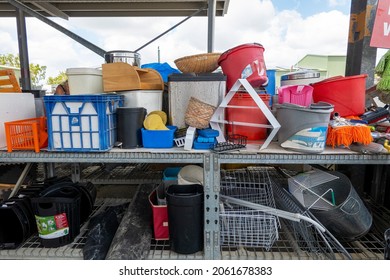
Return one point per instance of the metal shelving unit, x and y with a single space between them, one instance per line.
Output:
283 249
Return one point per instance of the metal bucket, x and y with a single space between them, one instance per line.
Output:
348 219
129 57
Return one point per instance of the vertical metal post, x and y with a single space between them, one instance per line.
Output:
361 58
23 52
212 6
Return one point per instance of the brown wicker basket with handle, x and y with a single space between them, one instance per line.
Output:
200 63
198 113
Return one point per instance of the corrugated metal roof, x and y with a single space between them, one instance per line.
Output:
114 8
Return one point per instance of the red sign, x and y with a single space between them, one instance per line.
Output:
380 37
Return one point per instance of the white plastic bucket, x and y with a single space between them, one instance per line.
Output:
84 80
151 100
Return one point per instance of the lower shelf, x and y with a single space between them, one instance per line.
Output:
32 248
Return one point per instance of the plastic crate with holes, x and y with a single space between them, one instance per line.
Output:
82 123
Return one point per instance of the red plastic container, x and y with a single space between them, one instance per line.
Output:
244 62
248 115
347 94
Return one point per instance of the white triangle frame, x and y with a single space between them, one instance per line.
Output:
218 117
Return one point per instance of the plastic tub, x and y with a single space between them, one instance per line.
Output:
347 94
252 114
158 138
244 62
303 129
151 100
84 80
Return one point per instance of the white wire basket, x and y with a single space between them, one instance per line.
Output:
313 189
243 226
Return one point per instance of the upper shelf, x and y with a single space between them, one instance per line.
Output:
251 154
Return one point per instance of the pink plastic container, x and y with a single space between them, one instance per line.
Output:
295 94
244 62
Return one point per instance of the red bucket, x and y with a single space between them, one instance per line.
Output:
253 114
347 94
244 62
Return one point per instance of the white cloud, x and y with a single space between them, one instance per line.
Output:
285 35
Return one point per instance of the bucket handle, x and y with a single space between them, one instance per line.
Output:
351 206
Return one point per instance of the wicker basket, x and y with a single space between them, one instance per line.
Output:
200 63
198 113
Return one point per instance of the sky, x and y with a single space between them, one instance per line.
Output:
287 29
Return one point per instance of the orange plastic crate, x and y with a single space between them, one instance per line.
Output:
27 134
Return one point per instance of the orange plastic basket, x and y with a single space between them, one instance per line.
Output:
27 134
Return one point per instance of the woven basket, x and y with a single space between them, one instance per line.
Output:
198 113
200 63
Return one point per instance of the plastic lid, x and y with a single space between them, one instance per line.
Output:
192 77
300 75
84 71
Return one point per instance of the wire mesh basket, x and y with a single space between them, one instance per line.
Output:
240 225
308 238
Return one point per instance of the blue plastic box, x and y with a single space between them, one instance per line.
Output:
158 138
82 123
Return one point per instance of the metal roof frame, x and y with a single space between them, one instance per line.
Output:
43 9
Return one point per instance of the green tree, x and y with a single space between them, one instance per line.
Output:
37 72
58 79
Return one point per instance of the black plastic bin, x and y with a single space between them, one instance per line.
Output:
58 216
185 218
129 124
16 222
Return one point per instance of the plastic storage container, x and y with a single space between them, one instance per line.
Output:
185 215
244 62
271 86
251 114
130 122
296 94
210 87
303 77
347 94
27 134
84 80
57 216
18 222
303 129
158 138
160 217
151 100
82 123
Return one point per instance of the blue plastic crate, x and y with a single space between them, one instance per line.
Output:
82 123
158 138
